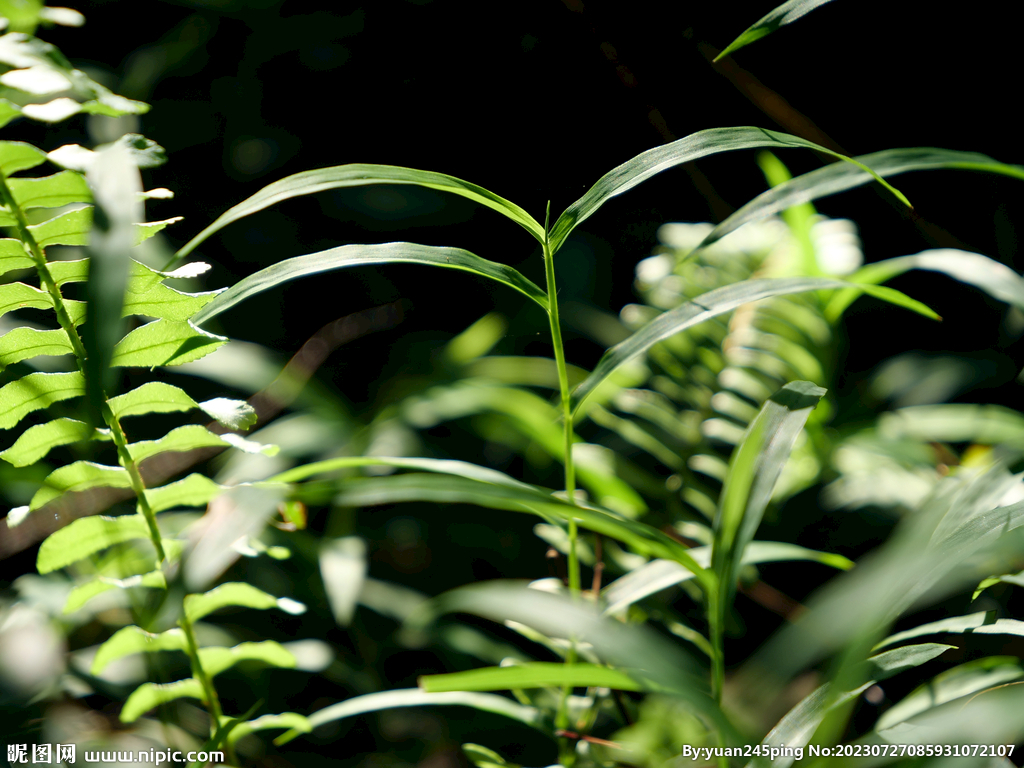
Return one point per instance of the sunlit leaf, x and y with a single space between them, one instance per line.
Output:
531 675
79 476
361 174
73 228
712 304
54 191
234 414
18 156
164 342
784 14
14 296
150 695
152 397
186 438
236 594
982 623
297 723
194 490
355 255
36 391
86 536
26 343
13 254
216 660
443 466
654 161
83 593
35 442
132 639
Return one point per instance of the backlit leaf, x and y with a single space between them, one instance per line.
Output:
234 414
13 255
86 536
79 476
193 491
152 397
531 675
18 156
786 13
83 593
164 342
15 296
150 695
132 639
36 391
982 623
35 442
184 438
54 191
216 660
236 594
25 343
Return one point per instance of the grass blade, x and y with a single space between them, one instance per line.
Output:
537 674
982 623
356 255
361 174
840 177
786 13
697 145
712 304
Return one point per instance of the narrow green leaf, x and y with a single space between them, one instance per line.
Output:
361 174
26 343
996 279
444 466
79 476
414 697
355 255
193 491
150 695
240 594
34 392
297 723
786 13
186 438
14 296
343 571
13 256
955 683
955 423
152 397
83 593
654 161
18 156
797 727
982 623
712 304
839 177
164 342
86 536
455 490
35 442
754 469
54 191
216 660
532 675
132 639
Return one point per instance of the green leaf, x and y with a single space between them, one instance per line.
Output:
73 228
83 593
54 191
982 623
34 392
240 594
8 112
186 438
343 571
297 723
754 469
955 423
15 296
654 161
972 677
86 536
79 476
361 174
786 13
18 156
233 414
443 466
797 727
167 303
26 343
454 490
839 177
150 695
996 279
35 442
356 255
531 675
216 660
712 304
164 342
13 256
152 397
132 639
193 491
414 697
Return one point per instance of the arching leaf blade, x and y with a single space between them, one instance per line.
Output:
35 442
216 660
86 536
152 397
784 14
15 296
79 476
701 144
186 438
132 639
712 304
530 675
981 623
150 695
236 594
443 466
355 255
35 392
25 343
54 191
839 177
83 593
164 342
362 174
195 490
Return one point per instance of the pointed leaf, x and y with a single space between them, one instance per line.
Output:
654 161
355 255
54 191
34 392
73 228
193 491
712 304
361 174
164 342
18 156
982 623
13 255
79 476
26 343
132 639
86 536
83 593
184 438
840 177
152 397
444 466
786 13
236 593
150 695
35 442
15 296
216 660
168 303
414 697
296 722
531 675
